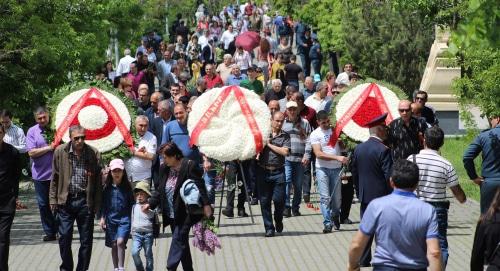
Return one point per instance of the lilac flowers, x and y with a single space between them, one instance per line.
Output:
205 237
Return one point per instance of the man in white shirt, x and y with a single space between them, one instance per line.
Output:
328 165
139 165
319 100
228 36
124 63
343 77
13 134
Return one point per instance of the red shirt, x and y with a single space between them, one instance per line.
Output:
310 115
216 81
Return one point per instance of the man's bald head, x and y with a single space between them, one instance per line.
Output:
274 106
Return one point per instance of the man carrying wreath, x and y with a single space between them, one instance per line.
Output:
271 175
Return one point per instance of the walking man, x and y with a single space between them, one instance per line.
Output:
75 192
435 174
371 169
488 143
299 130
41 153
271 172
328 165
416 246
10 172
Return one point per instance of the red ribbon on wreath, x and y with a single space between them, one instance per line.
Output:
108 107
214 109
351 111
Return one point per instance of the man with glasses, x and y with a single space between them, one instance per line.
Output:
405 133
75 192
329 161
427 112
371 168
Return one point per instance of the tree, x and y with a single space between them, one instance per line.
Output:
387 43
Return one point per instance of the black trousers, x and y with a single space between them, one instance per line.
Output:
179 248
235 183
75 209
366 257
347 196
7 212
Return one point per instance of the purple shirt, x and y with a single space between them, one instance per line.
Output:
41 168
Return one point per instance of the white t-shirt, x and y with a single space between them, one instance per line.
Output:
124 65
321 137
316 104
227 37
137 168
343 78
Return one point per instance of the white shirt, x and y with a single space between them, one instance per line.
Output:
15 137
139 169
321 137
141 222
124 65
343 78
317 104
243 60
227 37
203 41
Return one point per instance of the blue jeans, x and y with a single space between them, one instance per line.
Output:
42 197
442 220
271 188
488 190
328 184
75 209
143 240
306 63
294 175
209 178
316 65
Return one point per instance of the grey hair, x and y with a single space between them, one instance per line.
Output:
276 81
40 110
200 81
164 104
74 128
159 94
126 51
141 117
228 56
321 85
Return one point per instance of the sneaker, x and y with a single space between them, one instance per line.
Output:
296 213
269 233
287 212
227 213
48 238
307 198
242 213
336 222
346 221
279 227
327 229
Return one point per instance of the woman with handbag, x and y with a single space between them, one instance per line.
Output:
173 173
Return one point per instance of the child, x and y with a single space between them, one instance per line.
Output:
116 207
142 227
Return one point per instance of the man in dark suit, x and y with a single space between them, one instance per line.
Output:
207 55
371 169
157 125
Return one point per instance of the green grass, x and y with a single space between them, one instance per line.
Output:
453 150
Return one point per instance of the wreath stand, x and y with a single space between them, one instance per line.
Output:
246 192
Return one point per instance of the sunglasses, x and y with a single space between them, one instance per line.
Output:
77 138
404 110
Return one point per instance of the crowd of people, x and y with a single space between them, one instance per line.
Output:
398 171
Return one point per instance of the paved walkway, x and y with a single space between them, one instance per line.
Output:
302 246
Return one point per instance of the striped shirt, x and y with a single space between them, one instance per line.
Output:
435 174
79 167
15 137
299 133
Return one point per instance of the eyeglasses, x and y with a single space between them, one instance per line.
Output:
78 138
404 110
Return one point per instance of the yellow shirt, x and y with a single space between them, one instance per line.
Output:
275 68
196 67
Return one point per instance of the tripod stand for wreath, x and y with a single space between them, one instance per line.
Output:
252 115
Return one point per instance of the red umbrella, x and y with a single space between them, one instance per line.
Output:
248 40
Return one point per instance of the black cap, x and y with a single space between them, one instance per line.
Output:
380 120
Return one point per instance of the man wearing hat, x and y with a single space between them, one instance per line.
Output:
371 168
299 130
251 82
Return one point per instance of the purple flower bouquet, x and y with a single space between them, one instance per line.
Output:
205 237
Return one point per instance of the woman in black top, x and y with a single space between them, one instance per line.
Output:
486 248
173 173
